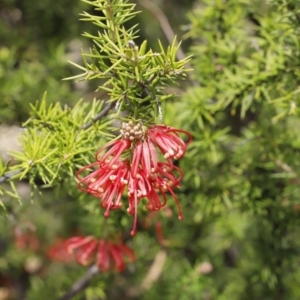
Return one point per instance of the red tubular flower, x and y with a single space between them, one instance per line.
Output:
164 181
106 184
139 170
168 141
138 188
83 248
111 256
107 255
153 189
58 252
109 185
144 155
113 154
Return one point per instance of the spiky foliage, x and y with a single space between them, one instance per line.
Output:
59 139
240 195
244 167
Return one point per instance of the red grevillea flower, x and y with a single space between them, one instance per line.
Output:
26 240
144 156
118 147
130 133
105 183
58 252
131 164
167 139
105 254
110 184
153 189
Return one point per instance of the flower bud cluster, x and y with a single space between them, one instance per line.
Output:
131 131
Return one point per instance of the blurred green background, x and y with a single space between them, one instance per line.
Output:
240 238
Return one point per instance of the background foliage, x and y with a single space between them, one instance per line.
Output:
240 196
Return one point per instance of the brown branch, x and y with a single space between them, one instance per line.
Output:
151 277
285 167
81 283
8 176
97 117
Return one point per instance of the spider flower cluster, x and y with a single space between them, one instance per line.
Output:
104 253
139 165
107 255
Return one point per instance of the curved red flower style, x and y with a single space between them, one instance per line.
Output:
105 254
106 184
168 140
113 154
144 156
153 189
109 186
164 180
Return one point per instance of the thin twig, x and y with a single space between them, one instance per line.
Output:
164 23
97 117
166 28
81 284
285 167
8 176
151 277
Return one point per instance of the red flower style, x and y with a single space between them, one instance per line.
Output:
114 153
164 180
105 254
153 188
167 139
144 156
106 184
109 185
138 188
151 218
